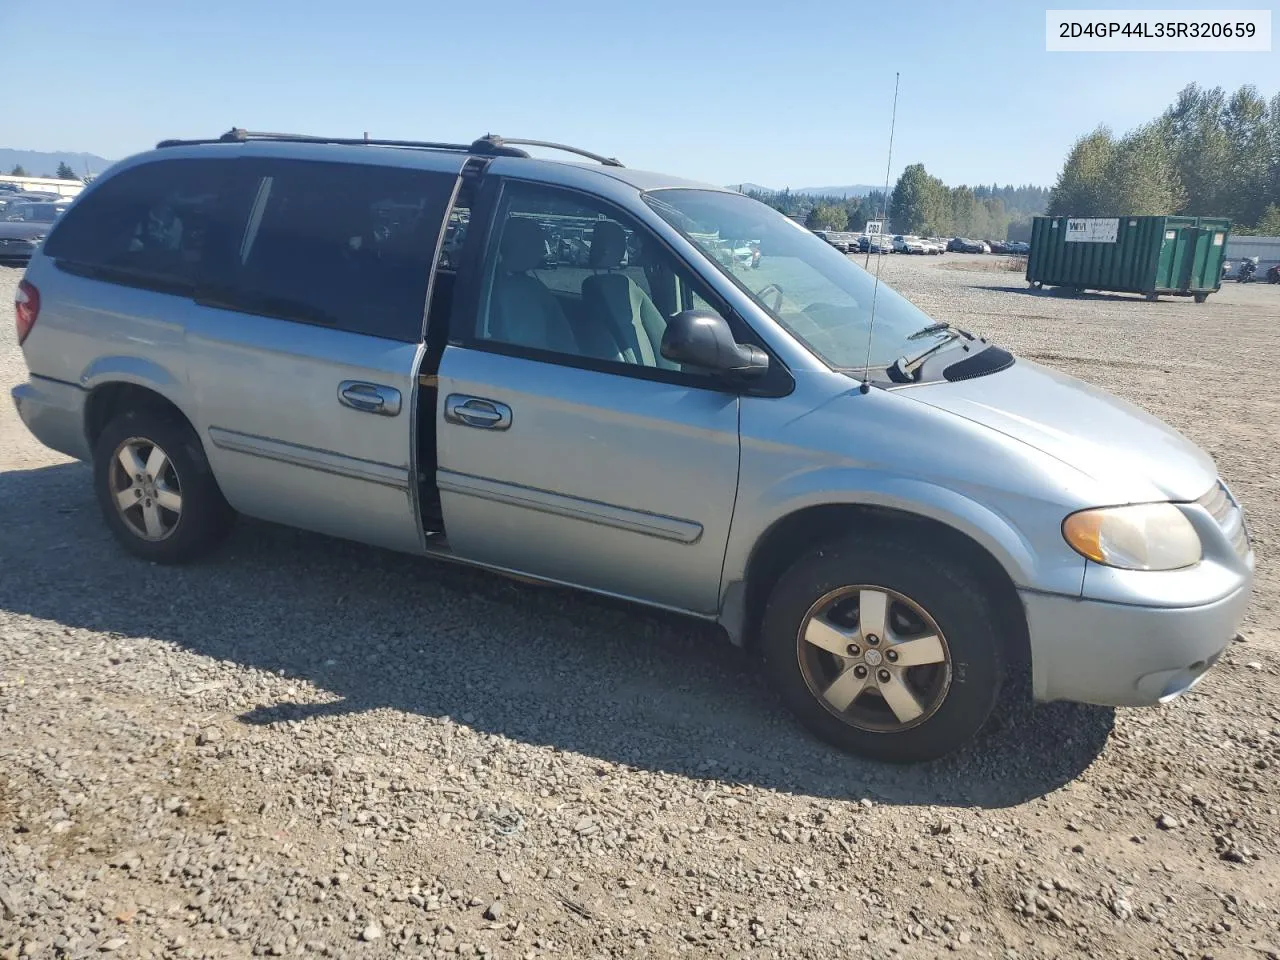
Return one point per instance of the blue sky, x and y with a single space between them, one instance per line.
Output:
794 93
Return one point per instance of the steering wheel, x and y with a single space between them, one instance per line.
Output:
777 292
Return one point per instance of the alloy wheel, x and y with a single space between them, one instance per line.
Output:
145 489
874 658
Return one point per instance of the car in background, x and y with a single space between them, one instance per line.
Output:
998 246
35 211
833 237
903 243
19 239
1019 247
880 243
964 245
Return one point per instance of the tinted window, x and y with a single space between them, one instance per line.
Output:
342 245
158 224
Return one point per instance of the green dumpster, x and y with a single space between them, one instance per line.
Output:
1181 256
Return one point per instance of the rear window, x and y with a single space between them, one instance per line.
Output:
160 225
342 245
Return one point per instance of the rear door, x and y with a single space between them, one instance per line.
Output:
303 350
568 448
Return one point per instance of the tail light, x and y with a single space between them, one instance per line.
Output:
26 307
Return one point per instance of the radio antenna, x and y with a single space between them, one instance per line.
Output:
884 205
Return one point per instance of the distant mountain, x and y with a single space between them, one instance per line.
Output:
848 190
38 163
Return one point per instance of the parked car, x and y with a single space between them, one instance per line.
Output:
880 243
1019 247
997 246
19 240
965 245
893 525
833 238
41 212
908 244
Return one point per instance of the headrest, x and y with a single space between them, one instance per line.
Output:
608 245
524 245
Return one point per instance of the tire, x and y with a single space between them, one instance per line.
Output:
202 518
956 695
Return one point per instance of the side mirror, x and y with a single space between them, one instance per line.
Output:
701 338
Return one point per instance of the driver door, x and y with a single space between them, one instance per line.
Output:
568 449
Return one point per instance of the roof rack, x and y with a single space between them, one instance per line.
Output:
490 144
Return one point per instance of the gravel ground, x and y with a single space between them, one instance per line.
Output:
306 746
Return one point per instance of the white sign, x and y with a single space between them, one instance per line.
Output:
1092 229
875 227
1158 31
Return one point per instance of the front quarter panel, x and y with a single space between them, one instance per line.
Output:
828 443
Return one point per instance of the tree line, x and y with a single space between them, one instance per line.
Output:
64 172
921 204
1209 154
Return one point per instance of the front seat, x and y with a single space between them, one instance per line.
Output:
612 299
522 310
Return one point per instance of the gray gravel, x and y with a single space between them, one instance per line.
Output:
308 747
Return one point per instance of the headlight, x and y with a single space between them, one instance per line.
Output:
1146 536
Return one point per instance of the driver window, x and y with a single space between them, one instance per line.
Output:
575 277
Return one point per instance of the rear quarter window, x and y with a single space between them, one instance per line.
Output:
163 225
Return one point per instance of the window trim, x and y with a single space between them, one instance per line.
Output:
474 273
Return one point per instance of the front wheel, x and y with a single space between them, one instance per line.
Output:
883 650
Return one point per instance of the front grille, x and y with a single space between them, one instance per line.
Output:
1224 509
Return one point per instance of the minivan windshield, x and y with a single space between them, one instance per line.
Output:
820 296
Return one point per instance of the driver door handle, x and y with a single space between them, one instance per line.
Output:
469 411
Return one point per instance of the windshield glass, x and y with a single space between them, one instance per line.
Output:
816 293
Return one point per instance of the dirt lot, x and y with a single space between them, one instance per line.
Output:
307 746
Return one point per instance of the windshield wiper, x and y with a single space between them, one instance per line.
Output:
906 365
931 328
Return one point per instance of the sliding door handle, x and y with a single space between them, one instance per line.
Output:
369 397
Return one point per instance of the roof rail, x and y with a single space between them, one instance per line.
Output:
492 140
490 144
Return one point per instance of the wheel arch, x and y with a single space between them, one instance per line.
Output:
785 539
109 398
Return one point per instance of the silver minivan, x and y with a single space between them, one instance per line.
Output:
564 371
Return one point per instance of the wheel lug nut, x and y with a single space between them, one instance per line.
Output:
884 676
859 671
146 503
872 639
891 656
137 492
854 650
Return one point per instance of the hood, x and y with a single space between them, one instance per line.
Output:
23 229
1136 456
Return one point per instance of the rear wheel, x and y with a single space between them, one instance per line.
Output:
156 490
882 650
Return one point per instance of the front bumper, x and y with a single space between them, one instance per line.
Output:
1125 655
54 413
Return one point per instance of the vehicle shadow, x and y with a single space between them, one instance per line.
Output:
1068 293
539 665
